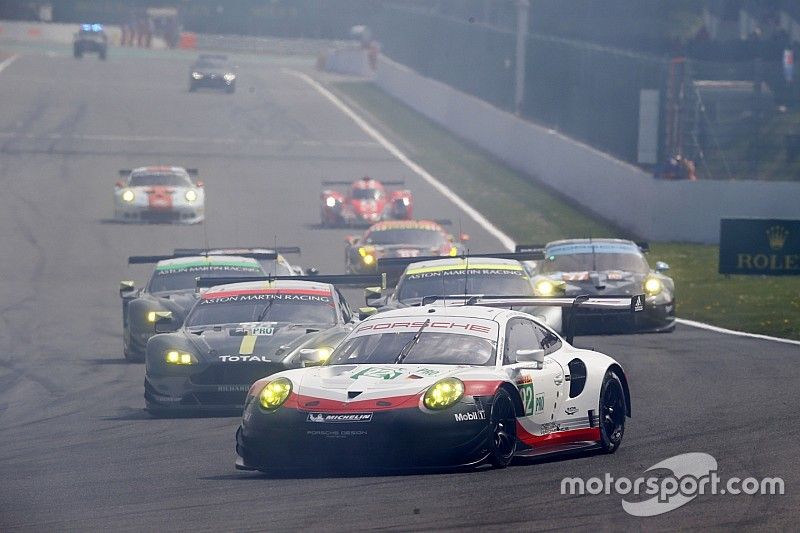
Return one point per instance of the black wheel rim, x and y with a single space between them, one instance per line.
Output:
613 411
504 428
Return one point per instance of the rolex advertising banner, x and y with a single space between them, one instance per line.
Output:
766 247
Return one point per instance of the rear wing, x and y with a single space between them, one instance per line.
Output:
239 250
625 304
149 259
345 280
405 261
522 248
388 183
125 172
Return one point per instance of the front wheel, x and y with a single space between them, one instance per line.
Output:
502 430
612 412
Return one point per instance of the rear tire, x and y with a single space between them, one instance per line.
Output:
502 430
612 411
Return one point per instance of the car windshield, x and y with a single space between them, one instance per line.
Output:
366 194
184 277
418 283
276 306
594 262
210 64
170 179
417 237
432 347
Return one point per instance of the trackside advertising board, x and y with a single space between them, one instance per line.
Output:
765 247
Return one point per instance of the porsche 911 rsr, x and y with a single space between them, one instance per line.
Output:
171 290
159 194
612 267
398 238
367 202
438 386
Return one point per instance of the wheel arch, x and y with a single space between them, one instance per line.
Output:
515 397
621 374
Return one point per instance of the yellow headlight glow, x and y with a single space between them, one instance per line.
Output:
369 259
275 393
128 195
443 394
191 195
174 357
324 353
453 251
652 286
151 316
545 287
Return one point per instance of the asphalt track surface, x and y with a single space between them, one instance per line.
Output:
77 452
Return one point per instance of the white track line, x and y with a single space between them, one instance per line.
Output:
7 62
504 239
716 329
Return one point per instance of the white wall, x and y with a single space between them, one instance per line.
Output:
617 191
56 33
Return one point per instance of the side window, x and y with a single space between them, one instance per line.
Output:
521 334
548 340
347 315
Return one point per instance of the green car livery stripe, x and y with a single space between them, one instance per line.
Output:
209 263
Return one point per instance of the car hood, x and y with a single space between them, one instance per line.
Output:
268 341
404 250
613 282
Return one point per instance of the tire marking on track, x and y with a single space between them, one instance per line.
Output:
8 62
717 329
490 228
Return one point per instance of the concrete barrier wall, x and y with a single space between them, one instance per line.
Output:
57 33
351 60
615 190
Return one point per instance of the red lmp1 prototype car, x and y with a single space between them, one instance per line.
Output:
367 202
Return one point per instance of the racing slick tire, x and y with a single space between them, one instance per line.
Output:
612 413
192 87
502 430
77 52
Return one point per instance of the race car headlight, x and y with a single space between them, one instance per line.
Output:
330 201
546 287
128 195
152 316
229 77
453 251
197 76
368 259
275 393
443 394
176 357
406 201
324 354
652 286
191 195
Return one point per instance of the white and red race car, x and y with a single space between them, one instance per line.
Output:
441 386
367 202
159 194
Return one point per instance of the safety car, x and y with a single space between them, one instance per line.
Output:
91 38
366 202
440 386
159 194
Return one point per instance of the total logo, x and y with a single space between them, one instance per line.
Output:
244 358
467 417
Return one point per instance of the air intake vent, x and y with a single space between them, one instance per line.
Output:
352 394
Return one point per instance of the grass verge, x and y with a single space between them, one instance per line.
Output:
530 212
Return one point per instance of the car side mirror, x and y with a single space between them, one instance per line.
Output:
364 312
535 355
661 266
126 287
312 271
163 323
314 356
464 237
372 296
351 239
